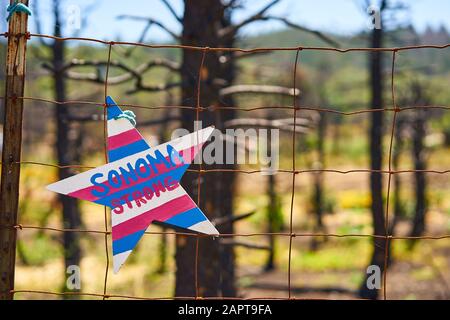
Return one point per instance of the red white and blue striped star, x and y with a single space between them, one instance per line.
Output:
140 184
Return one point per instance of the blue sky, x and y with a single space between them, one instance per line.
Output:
341 16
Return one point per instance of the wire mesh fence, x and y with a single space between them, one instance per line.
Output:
294 171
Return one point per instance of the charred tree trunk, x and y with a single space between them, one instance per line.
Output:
418 132
398 148
202 21
376 149
336 146
318 197
274 215
318 178
272 212
67 147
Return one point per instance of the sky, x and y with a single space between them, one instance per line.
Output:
339 16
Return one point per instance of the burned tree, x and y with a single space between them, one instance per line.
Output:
68 135
418 130
209 23
376 130
376 153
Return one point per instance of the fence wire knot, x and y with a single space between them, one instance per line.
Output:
129 115
17 7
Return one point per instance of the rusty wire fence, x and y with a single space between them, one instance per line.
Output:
394 108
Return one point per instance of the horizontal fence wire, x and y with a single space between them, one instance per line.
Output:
212 108
79 166
293 171
237 234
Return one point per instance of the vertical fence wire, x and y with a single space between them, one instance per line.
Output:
388 192
198 149
294 168
105 137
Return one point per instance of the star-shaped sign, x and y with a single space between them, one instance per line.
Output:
140 184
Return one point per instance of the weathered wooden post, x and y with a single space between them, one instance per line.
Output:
12 141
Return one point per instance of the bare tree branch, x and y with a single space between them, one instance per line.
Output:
233 29
154 88
148 123
224 59
258 89
233 4
290 24
164 63
241 54
301 124
87 118
172 10
162 120
259 122
248 245
232 218
127 52
99 75
260 16
152 21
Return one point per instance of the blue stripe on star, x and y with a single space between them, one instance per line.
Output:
187 218
127 243
127 150
112 109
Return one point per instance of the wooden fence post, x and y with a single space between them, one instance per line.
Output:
12 141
